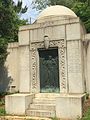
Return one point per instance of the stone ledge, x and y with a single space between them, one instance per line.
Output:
17 104
70 106
13 45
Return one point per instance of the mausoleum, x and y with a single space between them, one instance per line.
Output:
49 66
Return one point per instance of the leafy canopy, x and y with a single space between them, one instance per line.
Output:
9 19
9 24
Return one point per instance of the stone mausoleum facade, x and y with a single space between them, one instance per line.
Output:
49 66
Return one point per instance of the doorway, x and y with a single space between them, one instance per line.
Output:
49 70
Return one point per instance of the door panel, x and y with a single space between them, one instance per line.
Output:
49 70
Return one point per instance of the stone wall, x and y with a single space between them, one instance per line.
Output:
21 74
88 61
9 74
67 32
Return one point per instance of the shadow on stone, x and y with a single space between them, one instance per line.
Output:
5 79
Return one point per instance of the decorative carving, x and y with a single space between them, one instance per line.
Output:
35 46
61 46
34 82
62 65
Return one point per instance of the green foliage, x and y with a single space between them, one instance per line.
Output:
2 101
87 115
40 4
9 19
9 25
3 94
3 50
87 95
55 118
18 8
2 112
80 7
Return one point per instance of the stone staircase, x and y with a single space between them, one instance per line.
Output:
43 105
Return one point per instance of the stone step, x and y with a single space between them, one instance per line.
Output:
42 106
40 113
47 95
44 101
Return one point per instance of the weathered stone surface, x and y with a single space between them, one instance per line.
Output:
37 35
24 37
9 77
73 31
69 106
17 104
88 67
43 105
75 70
24 69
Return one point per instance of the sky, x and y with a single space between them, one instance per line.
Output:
31 13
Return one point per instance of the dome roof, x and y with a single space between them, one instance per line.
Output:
56 10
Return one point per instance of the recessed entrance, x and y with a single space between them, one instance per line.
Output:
49 70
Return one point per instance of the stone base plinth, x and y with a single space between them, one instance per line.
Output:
70 106
17 104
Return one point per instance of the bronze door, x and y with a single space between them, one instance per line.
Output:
49 70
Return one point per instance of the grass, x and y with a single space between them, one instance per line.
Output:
86 115
2 112
54 118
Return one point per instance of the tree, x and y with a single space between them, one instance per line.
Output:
9 24
3 52
9 19
80 7
83 11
